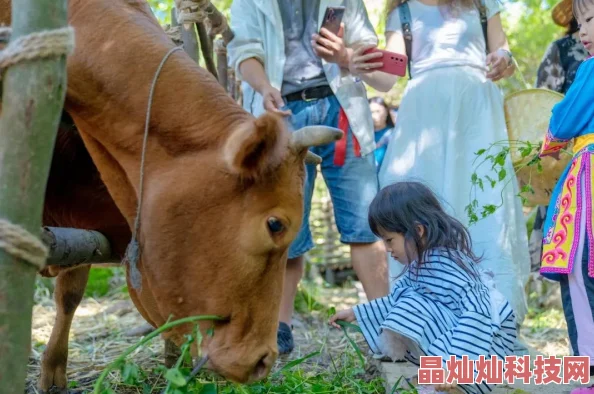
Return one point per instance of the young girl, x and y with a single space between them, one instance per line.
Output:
451 71
442 304
568 240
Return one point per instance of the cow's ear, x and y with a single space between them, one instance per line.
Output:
257 146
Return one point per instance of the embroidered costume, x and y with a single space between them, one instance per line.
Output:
568 250
571 201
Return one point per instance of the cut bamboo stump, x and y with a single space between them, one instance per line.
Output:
71 246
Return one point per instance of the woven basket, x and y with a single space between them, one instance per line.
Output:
527 115
562 13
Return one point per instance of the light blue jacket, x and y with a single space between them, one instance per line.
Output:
258 29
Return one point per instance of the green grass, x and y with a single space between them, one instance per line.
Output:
538 320
99 282
346 374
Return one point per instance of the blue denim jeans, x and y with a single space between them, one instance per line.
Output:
352 186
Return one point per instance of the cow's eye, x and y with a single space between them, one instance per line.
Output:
275 226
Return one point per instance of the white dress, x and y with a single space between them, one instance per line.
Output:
450 111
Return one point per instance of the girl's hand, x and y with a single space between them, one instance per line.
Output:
347 315
500 65
361 63
331 47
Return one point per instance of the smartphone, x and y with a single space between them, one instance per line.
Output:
394 63
333 18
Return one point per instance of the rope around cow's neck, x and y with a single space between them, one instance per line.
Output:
133 249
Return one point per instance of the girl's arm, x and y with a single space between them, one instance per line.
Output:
359 64
499 58
574 113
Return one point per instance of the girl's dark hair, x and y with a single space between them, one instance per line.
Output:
581 6
572 27
380 101
403 206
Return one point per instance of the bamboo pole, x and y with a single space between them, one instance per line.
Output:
217 19
33 97
221 52
72 246
207 49
188 35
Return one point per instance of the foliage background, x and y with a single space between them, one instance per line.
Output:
528 25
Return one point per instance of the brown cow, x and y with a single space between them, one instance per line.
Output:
222 192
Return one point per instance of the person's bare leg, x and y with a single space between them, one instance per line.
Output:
292 279
371 266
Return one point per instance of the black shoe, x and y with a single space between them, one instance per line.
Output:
284 339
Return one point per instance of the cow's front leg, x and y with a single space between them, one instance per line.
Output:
69 290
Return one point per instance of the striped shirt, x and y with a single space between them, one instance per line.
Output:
445 311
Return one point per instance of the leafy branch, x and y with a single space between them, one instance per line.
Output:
496 156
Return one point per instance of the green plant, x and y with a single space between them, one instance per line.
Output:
98 284
346 374
498 173
132 373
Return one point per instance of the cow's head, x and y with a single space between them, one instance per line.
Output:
217 237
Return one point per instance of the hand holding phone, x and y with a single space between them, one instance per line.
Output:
391 62
328 44
333 18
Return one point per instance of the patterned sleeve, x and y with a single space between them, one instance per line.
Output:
550 74
371 316
571 115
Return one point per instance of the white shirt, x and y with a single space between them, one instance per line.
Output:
257 25
441 39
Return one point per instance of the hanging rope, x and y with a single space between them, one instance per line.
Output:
18 242
133 249
201 11
191 11
34 46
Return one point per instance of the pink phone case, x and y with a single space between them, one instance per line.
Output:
394 63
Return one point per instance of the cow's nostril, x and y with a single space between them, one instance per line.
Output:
262 367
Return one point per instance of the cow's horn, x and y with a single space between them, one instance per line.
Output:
312 158
314 136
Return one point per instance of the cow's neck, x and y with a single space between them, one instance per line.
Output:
110 75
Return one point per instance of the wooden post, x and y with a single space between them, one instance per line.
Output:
207 50
221 52
33 97
188 36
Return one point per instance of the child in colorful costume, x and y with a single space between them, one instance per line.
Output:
568 244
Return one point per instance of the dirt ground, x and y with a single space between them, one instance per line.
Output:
102 330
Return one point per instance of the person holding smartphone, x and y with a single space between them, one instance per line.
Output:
293 59
450 110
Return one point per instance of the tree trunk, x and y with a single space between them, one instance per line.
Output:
33 98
